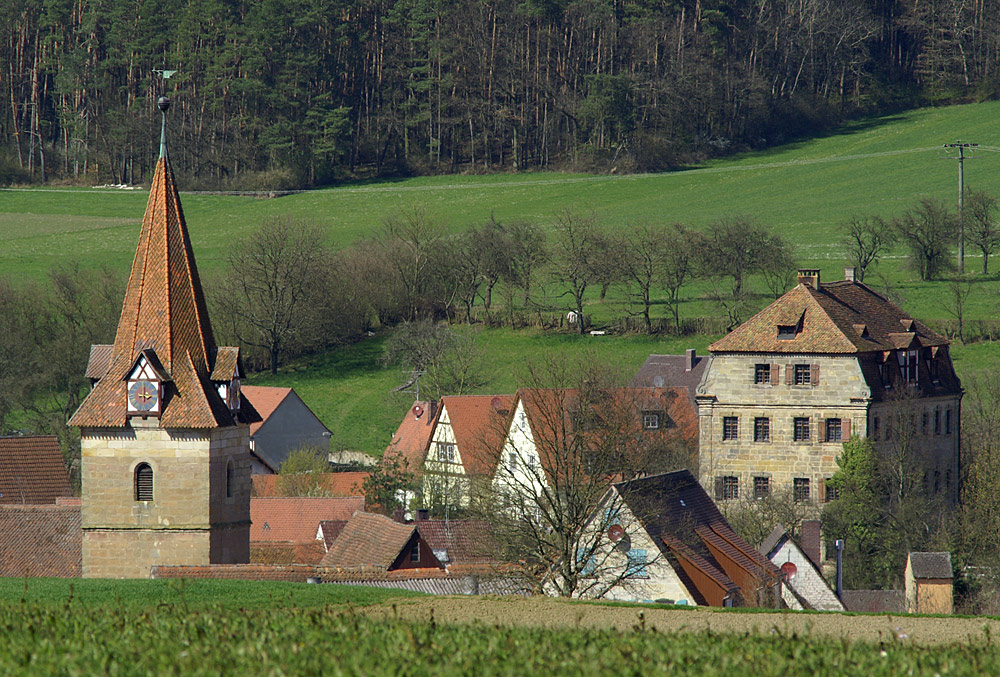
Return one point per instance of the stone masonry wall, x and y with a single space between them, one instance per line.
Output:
728 390
132 553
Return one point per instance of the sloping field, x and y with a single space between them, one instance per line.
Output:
804 188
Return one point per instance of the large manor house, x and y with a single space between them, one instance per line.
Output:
166 461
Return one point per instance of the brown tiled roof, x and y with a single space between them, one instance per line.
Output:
329 530
686 525
840 318
277 552
265 400
874 601
931 565
414 435
164 311
479 423
335 483
32 470
467 541
99 361
40 540
296 519
368 540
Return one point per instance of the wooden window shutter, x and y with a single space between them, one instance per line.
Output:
789 374
845 429
143 482
814 374
775 374
719 491
821 496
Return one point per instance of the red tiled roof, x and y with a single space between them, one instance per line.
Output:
32 470
277 552
40 540
479 423
99 361
840 317
296 519
265 400
164 311
368 540
414 435
335 484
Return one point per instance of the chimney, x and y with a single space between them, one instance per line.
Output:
849 273
399 515
689 359
810 541
423 513
809 277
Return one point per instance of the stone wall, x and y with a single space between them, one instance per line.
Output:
119 553
728 390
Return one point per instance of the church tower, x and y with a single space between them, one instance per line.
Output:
165 455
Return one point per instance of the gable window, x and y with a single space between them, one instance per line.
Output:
802 375
637 563
727 488
762 429
761 487
650 420
229 479
512 460
445 452
143 482
415 552
762 373
801 429
834 430
800 489
730 427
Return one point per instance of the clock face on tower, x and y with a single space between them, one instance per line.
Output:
144 396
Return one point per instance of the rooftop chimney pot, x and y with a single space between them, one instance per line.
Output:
809 277
849 273
689 359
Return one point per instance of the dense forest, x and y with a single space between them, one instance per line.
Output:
283 93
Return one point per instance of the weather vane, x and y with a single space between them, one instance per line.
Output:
163 103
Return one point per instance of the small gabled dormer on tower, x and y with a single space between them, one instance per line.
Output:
146 385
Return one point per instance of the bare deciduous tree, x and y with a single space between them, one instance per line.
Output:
980 226
575 251
928 230
868 239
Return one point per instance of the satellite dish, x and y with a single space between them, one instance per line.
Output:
616 533
657 381
418 411
789 570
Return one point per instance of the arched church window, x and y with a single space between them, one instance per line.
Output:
229 479
143 482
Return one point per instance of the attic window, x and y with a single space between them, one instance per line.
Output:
650 420
787 332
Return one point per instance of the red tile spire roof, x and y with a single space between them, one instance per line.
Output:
164 311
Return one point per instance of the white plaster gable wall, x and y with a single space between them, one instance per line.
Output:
807 582
662 581
519 470
444 433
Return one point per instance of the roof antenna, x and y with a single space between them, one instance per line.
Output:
163 103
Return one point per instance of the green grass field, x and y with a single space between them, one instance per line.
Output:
190 595
804 189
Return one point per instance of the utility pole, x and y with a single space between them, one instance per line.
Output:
961 195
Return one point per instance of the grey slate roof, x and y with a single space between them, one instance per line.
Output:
931 564
673 370
448 586
773 541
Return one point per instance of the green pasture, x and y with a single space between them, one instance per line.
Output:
187 594
804 189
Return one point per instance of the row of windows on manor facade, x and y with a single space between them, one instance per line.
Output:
831 429
903 369
727 487
142 481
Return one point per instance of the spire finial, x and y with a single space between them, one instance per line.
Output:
163 103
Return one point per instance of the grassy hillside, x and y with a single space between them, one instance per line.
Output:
805 189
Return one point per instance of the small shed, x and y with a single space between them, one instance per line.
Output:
929 583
